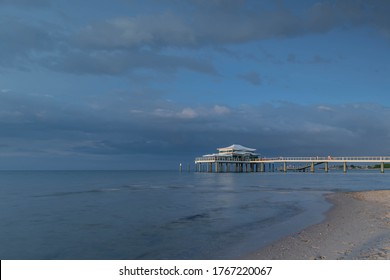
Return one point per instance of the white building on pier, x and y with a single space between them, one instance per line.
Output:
240 157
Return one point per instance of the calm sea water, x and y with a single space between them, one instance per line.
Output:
160 214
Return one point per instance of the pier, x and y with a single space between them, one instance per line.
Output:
237 158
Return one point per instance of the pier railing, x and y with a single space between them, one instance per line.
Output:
253 164
327 159
296 159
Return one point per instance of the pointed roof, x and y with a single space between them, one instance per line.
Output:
236 147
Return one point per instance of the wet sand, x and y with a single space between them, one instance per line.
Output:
356 227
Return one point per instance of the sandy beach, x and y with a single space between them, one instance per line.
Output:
356 227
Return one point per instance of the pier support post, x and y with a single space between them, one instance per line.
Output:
285 167
312 167
345 167
210 167
382 167
326 167
262 167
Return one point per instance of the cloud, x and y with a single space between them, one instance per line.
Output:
196 24
5 90
291 58
26 3
379 16
121 62
108 48
22 40
251 77
318 59
173 38
221 110
188 113
155 31
135 124
324 108
236 22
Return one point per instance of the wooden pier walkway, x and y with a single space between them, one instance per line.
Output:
242 164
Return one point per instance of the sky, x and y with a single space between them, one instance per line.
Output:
128 84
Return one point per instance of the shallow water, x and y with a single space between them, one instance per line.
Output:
160 214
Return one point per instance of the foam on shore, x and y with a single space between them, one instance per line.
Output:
356 227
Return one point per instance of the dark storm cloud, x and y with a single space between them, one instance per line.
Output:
379 16
220 22
127 125
134 123
197 24
119 44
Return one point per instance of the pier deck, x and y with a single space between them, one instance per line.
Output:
234 164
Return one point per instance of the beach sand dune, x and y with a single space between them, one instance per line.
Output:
356 227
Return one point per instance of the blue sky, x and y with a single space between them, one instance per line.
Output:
127 84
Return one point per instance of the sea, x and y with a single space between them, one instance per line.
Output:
158 215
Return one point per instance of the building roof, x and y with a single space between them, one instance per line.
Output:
236 148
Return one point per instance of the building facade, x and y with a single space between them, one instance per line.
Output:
234 158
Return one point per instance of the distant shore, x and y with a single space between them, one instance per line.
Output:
356 227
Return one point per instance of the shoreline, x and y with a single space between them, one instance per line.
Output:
357 226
